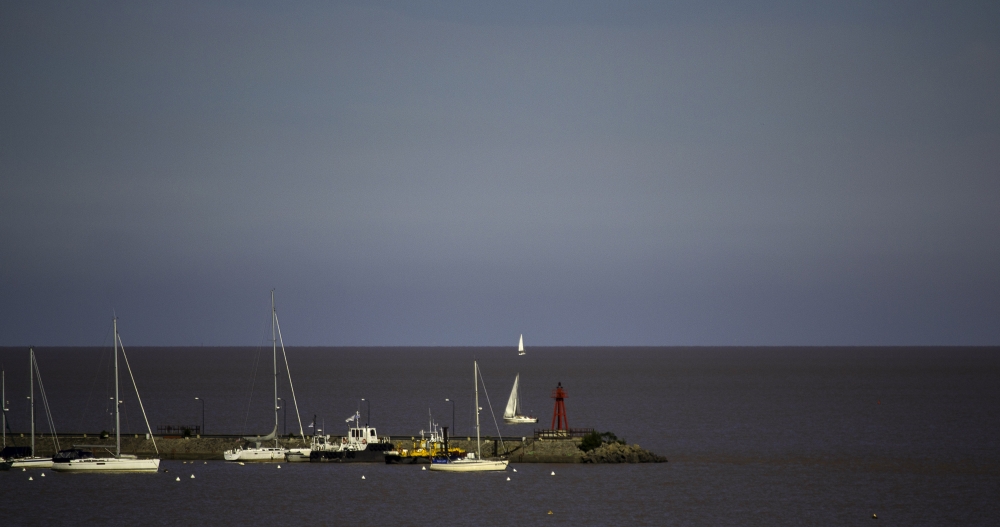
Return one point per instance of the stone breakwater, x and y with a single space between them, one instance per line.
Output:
619 453
528 450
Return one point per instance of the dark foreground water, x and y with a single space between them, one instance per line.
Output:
755 436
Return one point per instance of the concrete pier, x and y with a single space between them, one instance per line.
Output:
528 450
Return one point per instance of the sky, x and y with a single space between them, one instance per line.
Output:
455 174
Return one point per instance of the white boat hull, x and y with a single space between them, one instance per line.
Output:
108 464
298 455
32 462
520 419
470 465
256 454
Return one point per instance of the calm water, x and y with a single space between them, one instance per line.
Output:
785 436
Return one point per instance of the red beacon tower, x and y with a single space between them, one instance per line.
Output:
559 421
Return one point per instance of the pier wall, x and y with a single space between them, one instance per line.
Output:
519 450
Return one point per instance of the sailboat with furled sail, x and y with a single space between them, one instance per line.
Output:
276 452
120 462
512 415
472 463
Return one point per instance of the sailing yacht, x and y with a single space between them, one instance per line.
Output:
276 452
472 463
520 346
512 415
34 461
120 462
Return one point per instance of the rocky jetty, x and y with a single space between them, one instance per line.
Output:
621 453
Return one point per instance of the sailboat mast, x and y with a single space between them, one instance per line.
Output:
475 380
274 355
3 404
31 388
118 435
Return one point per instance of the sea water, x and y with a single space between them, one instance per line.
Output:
755 436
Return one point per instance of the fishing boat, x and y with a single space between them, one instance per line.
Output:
432 444
277 452
520 346
512 415
362 444
119 462
32 460
472 463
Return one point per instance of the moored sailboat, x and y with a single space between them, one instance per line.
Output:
276 452
33 460
120 462
512 415
472 463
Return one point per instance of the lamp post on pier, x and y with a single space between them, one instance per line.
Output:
454 431
202 414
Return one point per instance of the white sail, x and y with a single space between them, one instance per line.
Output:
520 346
513 404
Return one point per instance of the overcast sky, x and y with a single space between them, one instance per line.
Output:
446 173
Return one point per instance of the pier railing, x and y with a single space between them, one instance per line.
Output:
562 434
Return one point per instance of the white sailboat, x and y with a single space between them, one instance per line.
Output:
512 415
33 460
277 452
520 346
120 462
472 463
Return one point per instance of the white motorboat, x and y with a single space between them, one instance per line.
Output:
276 452
120 462
512 415
472 463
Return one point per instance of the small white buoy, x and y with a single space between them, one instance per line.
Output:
515 470
205 463
508 478
24 470
423 468
362 477
192 476
43 474
874 516
279 466
550 512
242 463
553 472
31 478
178 478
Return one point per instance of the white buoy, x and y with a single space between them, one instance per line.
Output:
31 478
508 478
242 463
279 466
43 474
553 472
515 470
178 478
362 477
205 463
423 468
24 470
192 476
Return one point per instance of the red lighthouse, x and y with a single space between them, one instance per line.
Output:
559 421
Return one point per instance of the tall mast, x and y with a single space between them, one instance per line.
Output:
118 435
3 404
274 354
475 380
31 387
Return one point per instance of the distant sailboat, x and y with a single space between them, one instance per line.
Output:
520 346
512 415
34 461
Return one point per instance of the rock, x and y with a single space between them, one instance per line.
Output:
619 453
